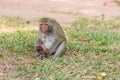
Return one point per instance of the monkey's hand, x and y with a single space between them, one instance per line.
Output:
52 53
36 54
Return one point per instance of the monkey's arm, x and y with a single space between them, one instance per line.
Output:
38 42
55 46
60 50
59 38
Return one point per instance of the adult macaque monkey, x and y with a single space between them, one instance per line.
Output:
51 37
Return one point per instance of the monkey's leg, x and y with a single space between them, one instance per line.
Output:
60 50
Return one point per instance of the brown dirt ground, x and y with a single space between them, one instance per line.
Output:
65 11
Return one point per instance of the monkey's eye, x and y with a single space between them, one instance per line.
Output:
44 24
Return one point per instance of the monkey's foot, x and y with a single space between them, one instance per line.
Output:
53 57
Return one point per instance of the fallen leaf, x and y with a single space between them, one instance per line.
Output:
83 39
101 75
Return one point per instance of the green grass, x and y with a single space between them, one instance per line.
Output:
82 61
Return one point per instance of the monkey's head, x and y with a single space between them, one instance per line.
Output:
38 52
46 25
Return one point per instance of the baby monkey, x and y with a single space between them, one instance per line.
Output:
40 53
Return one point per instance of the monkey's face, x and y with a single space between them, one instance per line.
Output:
44 27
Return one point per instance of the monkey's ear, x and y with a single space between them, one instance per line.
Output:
50 26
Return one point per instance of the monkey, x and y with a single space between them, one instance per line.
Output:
51 37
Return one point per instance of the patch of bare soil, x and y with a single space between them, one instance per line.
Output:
7 63
62 10
11 64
